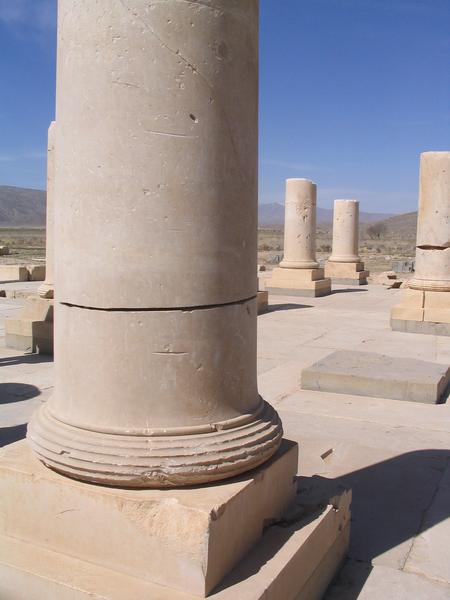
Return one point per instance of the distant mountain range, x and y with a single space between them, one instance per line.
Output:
21 207
273 214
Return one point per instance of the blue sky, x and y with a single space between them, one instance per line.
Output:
351 92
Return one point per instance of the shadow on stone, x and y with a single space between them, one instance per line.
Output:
17 392
392 503
9 435
24 359
348 291
286 306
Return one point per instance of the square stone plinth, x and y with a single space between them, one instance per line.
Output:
422 312
32 331
346 273
13 273
379 376
299 282
185 539
295 558
262 301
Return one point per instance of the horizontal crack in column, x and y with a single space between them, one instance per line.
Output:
164 309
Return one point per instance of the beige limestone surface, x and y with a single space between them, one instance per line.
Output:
433 224
300 225
168 122
155 346
345 232
346 272
32 330
393 455
185 539
46 290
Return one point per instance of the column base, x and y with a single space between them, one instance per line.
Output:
422 311
77 540
346 273
262 300
172 457
33 330
299 282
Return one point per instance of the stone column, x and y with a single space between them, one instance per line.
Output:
299 273
300 225
425 307
156 224
46 290
32 330
345 231
432 268
344 265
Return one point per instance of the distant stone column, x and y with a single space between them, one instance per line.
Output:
425 307
155 349
46 290
344 265
345 231
432 268
298 273
300 225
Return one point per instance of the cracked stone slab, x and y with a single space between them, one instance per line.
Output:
378 375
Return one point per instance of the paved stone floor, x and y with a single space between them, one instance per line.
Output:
394 455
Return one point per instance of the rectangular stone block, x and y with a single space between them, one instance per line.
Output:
424 327
378 375
32 331
36 272
186 539
299 282
262 299
13 273
295 558
346 273
407 313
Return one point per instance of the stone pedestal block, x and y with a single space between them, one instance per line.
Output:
32 331
76 541
262 300
422 311
185 539
299 282
13 273
347 273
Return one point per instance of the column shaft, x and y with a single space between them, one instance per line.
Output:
345 231
433 224
155 349
300 225
46 290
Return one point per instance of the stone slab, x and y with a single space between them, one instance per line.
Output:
32 331
378 375
186 539
346 273
424 327
13 273
262 300
350 281
309 289
429 556
296 557
366 582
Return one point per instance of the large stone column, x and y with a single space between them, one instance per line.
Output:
344 265
156 223
425 307
32 330
299 273
46 290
